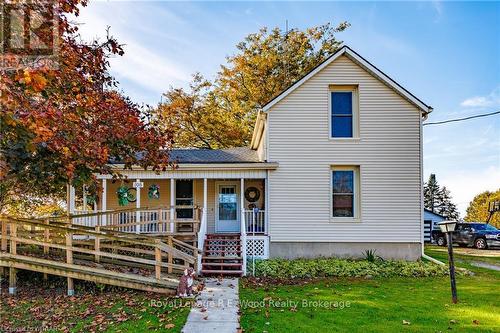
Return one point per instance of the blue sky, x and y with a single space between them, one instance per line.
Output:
446 53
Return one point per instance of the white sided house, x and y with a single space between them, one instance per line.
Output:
334 168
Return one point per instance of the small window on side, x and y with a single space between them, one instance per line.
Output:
345 193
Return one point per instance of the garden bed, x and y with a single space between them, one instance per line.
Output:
345 268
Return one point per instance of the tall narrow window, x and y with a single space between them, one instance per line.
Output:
184 198
345 192
342 114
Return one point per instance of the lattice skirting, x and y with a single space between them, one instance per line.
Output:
258 246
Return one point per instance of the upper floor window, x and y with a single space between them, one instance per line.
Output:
343 112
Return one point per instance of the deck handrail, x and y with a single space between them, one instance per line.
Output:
65 240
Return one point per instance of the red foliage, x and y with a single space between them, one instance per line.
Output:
64 124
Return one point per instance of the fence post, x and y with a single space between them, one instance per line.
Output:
46 248
4 235
69 260
158 260
97 244
170 257
46 237
13 251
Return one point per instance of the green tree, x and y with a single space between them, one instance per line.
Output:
446 207
431 193
478 208
438 199
221 113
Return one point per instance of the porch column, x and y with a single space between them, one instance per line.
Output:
172 204
203 224
103 201
138 205
71 199
266 203
205 203
84 198
243 226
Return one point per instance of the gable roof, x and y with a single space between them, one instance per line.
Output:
354 56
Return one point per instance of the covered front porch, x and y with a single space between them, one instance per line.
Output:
186 206
150 205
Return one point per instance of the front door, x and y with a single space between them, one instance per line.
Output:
227 206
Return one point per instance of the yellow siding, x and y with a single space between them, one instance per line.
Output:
164 201
388 154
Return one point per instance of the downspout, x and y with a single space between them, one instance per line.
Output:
425 256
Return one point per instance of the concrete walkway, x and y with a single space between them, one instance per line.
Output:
485 265
216 308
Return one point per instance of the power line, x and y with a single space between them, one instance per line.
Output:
462 119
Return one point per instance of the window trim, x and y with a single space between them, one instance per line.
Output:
357 193
354 88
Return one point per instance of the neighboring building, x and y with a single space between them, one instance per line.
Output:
431 221
334 168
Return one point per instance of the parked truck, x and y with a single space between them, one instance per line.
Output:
476 234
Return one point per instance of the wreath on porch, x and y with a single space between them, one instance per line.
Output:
154 192
252 194
125 195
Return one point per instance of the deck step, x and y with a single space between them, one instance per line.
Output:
222 264
223 245
221 272
221 258
211 240
222 251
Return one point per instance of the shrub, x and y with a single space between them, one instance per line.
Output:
334 267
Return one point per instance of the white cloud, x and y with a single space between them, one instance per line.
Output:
438 6
491 100
464 185
140 64
147 68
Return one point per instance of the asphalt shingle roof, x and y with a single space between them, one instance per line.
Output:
202 156
231 155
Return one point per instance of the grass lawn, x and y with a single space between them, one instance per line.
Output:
43 306
378 305
466 255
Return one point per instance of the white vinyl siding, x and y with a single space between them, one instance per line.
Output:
387 151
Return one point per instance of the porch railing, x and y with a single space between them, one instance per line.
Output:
255 222
141 220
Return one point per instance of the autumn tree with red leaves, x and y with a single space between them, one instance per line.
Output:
62 125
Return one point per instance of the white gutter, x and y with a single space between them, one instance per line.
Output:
421 129
425 256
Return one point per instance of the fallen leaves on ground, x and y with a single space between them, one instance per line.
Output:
44 305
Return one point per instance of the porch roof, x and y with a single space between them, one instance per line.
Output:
231 155
210 156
